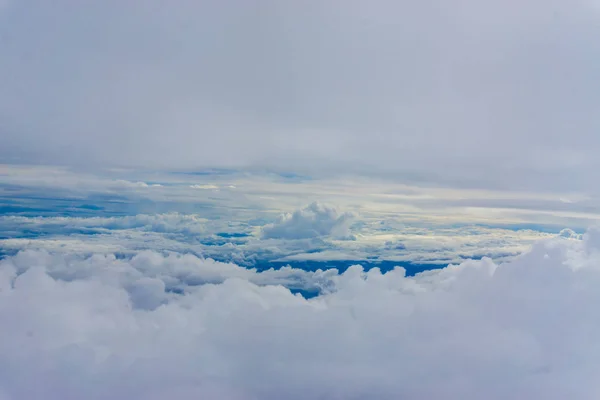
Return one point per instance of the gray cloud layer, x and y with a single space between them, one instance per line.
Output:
496 93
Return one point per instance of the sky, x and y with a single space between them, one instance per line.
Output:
495 94
327 200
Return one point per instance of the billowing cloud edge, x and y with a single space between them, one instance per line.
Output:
315 220
103 327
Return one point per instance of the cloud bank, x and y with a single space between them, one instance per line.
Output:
243 242
173 222
107 328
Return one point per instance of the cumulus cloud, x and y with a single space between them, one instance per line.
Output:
171 271
570 234
106 328
409 241
315 220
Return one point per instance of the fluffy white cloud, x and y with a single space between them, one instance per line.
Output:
315 220
569 234
402 242
177 271
105 328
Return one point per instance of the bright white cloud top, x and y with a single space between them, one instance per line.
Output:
250 293
316 220
105 328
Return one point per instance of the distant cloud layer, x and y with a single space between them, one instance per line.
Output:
314 233
101 327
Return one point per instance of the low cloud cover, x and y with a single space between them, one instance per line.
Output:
104 328
310 233
164 223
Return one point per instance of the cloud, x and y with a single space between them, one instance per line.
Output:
150 269
204 187
102 327
569 234
396 240
83 214
259 193
484 93
173 222
315 220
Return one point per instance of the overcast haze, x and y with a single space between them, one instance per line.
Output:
478 93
